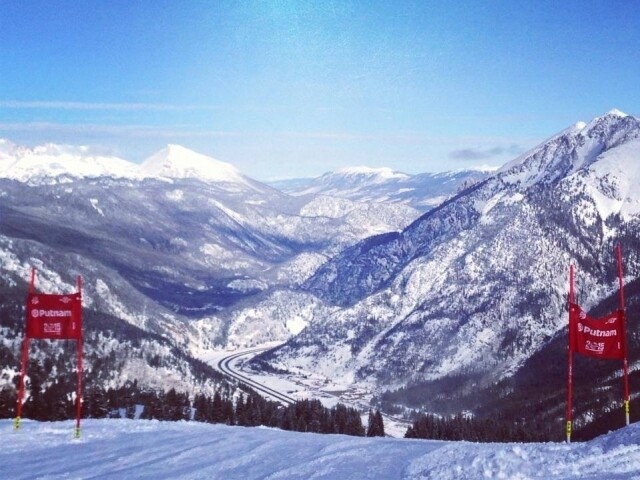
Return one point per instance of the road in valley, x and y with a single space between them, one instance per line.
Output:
225 366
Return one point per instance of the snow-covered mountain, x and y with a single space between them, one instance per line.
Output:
59 161
474 287
383 185
67 162
175 161
169 246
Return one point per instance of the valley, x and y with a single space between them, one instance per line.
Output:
289 387
378 299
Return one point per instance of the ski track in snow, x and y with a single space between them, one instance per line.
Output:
189 450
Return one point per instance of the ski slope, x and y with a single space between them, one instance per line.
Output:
136 449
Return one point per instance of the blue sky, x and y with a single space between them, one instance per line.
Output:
287 89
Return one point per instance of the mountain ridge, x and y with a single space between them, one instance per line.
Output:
473 288
383 185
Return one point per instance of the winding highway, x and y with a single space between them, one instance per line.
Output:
224 365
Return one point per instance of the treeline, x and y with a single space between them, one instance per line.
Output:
461 427
249 409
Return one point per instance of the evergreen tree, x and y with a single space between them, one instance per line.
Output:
229 415
176 406
218 409
130 411
56 405
255 415
375 427
8 398
370 424
201 407
33 407
339 419
354 424
96 403
152 406
301 425
239 413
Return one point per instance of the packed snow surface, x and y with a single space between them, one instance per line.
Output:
189 450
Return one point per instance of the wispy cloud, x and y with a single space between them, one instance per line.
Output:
473 154
115 130
169 131
190 131
57 105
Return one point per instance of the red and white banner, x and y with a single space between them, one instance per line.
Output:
54 316
596 337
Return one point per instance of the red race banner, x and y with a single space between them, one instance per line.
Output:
596 337
54 316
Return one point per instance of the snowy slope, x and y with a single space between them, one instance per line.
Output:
189 450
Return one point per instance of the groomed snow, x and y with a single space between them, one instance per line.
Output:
188 450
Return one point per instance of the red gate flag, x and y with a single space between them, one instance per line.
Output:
54 316
596 337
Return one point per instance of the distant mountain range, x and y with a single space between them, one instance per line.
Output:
54 162
180 246
383 185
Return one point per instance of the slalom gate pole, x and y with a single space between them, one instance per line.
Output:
23 369
570 361
625 364
32 284
23 361
79 390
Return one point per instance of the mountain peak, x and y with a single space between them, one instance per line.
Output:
579 126
576 147
176 161
614 112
